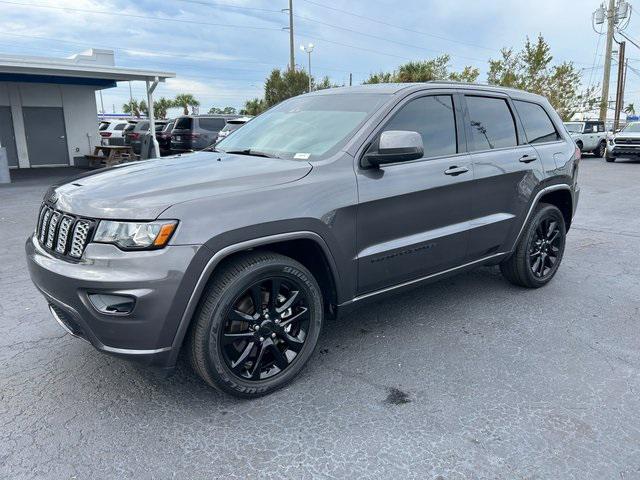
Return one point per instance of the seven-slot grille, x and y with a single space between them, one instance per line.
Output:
62 233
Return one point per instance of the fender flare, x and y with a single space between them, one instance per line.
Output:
534 203
223 253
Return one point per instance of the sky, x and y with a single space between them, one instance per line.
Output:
222 50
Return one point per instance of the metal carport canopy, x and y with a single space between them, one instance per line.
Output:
79 70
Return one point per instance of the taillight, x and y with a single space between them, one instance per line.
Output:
105 134
135 136
192 135
577 154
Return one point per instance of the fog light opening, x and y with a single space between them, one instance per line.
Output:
112 304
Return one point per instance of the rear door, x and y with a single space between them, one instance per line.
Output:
506 171
413 216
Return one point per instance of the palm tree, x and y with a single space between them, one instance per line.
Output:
630 109
131 108
186 100
161 106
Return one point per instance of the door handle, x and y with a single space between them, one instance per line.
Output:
527 159
455 170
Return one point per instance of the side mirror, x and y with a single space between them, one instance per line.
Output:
395 146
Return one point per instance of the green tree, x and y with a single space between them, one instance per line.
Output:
280 86
186 100
531 69
161 106
223 111
132 108
254 107
630 109
425 71
325 83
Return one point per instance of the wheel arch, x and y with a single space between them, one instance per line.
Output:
562 199
559 195
307 247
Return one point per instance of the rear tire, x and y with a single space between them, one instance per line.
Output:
250 351
601 151
539 252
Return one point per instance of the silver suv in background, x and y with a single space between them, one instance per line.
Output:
232 125
625 143
590 136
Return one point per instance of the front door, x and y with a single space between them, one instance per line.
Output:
46 136
507 171
7 136
413 217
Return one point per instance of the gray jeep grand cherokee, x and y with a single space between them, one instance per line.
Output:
328 200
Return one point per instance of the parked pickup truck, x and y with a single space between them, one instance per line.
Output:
590 136
625 143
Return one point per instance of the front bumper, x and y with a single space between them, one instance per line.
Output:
623 151
152 278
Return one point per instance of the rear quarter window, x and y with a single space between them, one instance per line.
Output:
184 123
538 127
492 124
120 126
212 124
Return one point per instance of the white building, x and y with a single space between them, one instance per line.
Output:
48 112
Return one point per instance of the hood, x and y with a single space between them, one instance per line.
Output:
143 190
635 135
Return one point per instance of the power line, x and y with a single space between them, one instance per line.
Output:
381 22
226 5
320 22
143 17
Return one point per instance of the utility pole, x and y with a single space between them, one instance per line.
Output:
617 16
292 55
620 86
604 101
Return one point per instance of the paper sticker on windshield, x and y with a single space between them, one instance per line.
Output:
302 156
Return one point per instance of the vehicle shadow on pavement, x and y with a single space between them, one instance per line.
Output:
367 331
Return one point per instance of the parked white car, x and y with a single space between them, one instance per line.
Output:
590 136
231 126
109 129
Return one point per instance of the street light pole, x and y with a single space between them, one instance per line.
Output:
308 49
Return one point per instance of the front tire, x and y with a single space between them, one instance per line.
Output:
539 251
257 326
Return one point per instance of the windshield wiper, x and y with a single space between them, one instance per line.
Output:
255 153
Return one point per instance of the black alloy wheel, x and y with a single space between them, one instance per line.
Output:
257 325
539 250
265 328
545 247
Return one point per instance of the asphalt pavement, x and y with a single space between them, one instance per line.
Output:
469 378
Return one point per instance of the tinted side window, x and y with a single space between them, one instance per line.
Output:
211 124
120 126
184 123
537 125
433 118
492 124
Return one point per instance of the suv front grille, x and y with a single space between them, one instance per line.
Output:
62 233
627 141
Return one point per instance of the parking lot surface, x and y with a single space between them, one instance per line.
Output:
467 378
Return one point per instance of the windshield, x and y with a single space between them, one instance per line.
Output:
632 128
574 127
303 128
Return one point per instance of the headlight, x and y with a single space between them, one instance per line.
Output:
134 235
